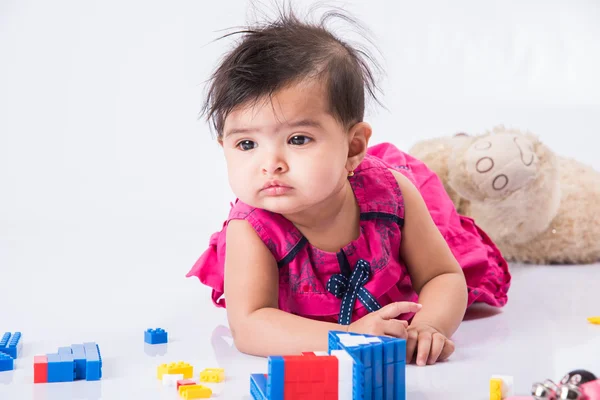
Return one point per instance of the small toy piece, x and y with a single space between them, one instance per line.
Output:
78 362
11 344
569 386
212 375
501 387
175 368
184 382
171 379
155 336
40 369
194 392
6 362
594 320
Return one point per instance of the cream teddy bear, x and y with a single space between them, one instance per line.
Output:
538 207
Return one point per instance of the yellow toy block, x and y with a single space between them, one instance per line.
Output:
175 368
594 320
495 389
212 375
194 392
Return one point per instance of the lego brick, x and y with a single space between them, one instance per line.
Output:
60 370
388 381
276 378
156 336
183 382
502 386
345 367
378 365
212 375
400 380
11 344
258 387
389 350
175 368
172 379
40 369
78 352
93 361
6 362
194 392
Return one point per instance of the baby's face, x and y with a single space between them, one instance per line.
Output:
286 155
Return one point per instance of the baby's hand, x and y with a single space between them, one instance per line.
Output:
431 345
383 323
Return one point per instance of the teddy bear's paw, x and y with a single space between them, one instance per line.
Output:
500 164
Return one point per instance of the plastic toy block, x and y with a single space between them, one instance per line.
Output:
594 320
40 369
276 378
212 375
345 366
60 370
11 345
176 368
78 351
93 361
156 336
501 387
194 392
184 382
172 379
6 362
258 387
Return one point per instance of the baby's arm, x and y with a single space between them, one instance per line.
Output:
258 326
435 275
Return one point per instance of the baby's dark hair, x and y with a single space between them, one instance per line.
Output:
284 51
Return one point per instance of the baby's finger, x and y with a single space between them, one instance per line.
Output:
437 345
392 310
424 347
411 344
447 351
395 328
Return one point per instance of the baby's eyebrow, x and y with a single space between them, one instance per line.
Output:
306 122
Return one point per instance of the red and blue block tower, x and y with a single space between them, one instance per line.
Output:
355 367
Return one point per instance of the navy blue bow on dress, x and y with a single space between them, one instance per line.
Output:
348 289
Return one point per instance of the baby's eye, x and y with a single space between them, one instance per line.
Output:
299 140
246 145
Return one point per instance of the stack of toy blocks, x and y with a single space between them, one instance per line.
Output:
10 347
78 362
356 367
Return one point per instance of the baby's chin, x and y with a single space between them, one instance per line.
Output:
285 205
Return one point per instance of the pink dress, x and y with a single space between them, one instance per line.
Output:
368 272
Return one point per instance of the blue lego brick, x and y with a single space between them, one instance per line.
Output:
400 380
276 379
389 350
378 365
79 359
11 344
93 361
258 387
388 382
60 370
6 362
358 382
368 383
400 347
156 336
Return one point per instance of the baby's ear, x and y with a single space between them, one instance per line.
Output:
358 136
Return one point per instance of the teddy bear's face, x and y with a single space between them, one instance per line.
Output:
499 164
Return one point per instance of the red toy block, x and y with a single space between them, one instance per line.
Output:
183 382
40 369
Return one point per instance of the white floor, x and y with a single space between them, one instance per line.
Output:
541 333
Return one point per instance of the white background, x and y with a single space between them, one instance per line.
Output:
110 185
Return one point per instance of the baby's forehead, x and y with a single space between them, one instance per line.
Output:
289 105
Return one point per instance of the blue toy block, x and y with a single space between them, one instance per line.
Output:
6 363
258 387
79 359
60 370
388 382
400 380
276 378
11 344
93 361
378 366
155 336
